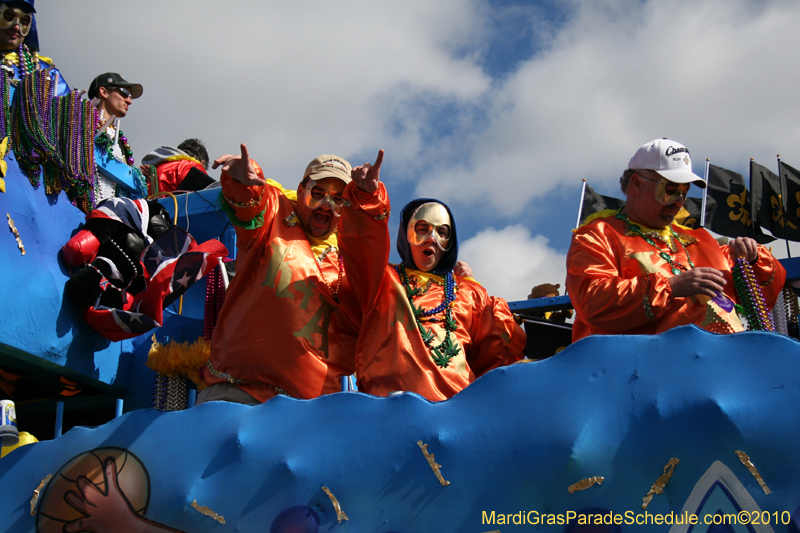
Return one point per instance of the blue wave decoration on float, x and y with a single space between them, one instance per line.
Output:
606 425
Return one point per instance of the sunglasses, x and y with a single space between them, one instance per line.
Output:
123 91
668 192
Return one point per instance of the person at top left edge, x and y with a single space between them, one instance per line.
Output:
19 43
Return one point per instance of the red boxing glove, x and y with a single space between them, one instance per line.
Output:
81 249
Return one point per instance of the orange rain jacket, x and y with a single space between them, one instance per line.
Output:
612 277
280 326
391 355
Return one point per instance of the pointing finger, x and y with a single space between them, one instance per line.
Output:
378 160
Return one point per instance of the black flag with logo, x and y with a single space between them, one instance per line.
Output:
728 207
689 215
765 187
594 203
791 202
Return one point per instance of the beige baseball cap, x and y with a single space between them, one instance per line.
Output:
328 166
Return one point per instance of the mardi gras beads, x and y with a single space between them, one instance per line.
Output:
447 349
751 297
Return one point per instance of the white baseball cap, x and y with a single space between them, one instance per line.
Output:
669 159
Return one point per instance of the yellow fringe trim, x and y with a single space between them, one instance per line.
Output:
180 359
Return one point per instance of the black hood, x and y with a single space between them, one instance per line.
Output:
450 257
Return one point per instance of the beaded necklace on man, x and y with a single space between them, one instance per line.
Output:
105 141
319 259
447 349
676 267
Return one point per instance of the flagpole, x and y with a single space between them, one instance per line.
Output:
705 195
783 211
752 201
580 205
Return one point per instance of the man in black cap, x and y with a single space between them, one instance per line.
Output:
114 93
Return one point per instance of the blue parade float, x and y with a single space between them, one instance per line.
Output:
686 431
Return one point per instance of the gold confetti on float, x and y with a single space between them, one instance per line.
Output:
202 509
38 491
340 515
16 233
753 470
658 486
585 484
434 465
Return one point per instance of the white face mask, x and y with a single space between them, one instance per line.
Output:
317 194
10 16
430 219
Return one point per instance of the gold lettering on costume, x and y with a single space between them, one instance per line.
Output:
658 486
645 260
278 265
743 457
403 313
307 288
313 326
741 214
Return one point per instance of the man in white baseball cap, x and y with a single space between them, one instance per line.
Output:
636 271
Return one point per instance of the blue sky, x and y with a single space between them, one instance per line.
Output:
498 108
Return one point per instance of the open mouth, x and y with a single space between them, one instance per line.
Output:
322 218
428 253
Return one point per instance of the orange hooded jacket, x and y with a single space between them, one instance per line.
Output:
391 354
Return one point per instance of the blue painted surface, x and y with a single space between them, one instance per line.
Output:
37 319
613 406
119 173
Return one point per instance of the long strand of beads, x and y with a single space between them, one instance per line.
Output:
5 94
780 314
176 397
751 297
160 391
792 309
340 262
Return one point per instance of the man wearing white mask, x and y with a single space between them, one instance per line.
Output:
427 328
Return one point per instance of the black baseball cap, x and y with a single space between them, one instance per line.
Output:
112 79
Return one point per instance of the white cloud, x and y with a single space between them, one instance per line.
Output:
297 79
718 75
510 261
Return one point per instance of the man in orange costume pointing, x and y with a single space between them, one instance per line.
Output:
636 271
289 322
426 328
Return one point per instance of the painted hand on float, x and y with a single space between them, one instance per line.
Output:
239 167
367 176
107 511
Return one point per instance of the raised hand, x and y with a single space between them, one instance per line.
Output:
463 269
700 280
367 176
239 167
